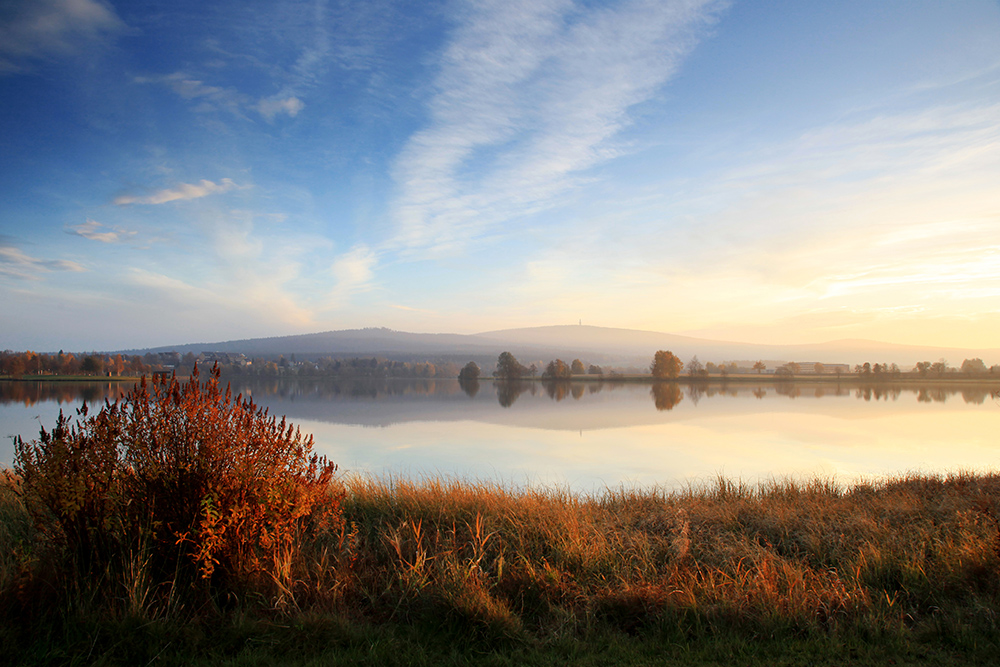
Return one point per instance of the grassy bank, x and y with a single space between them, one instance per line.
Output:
448 572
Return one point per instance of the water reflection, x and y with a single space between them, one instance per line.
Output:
509 390
470 386
666 395
583 432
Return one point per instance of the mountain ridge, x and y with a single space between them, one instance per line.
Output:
595 344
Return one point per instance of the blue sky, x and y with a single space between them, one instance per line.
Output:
779 172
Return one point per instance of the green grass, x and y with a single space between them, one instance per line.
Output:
450 572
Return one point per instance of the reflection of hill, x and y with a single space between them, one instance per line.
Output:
590 405
570 406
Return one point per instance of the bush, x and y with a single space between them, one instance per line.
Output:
205 492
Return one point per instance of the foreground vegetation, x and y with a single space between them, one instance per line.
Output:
435 571
184 526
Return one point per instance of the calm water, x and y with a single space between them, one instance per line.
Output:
589 435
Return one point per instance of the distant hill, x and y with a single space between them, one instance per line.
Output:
600 345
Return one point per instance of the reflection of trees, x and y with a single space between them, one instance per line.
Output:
695 392
975 396
508 391
29 393
469 385
760 393
787 389
555 389
578 390
595 387
932 394
666 395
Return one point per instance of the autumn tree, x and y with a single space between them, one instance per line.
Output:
576 368
508 367
759 367
819 368
557 370
666 365
595 370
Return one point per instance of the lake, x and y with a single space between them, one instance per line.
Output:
589 435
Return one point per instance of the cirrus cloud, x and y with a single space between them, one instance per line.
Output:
95 231
15 263
184 191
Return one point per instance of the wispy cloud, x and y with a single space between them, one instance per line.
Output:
184 191
353 272
15 263
96 231
271 107
33 29
207 97
530 95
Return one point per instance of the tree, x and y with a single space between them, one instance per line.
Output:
939 367
922 367
974 367
665 366
576 368
694 367
819 368
793 367
759 366
508 367
469 372
92 364
595 370
557 370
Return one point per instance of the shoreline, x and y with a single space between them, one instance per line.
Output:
637 379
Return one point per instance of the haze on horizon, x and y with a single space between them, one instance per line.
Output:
763 172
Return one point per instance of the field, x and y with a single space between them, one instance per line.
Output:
448 572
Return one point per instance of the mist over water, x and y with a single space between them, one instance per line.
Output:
588 435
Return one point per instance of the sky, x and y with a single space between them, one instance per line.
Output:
771 172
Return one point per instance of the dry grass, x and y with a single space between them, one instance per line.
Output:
914 557
812 556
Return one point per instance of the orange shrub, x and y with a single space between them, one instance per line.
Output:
210 487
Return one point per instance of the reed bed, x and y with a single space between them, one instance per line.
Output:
904 562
